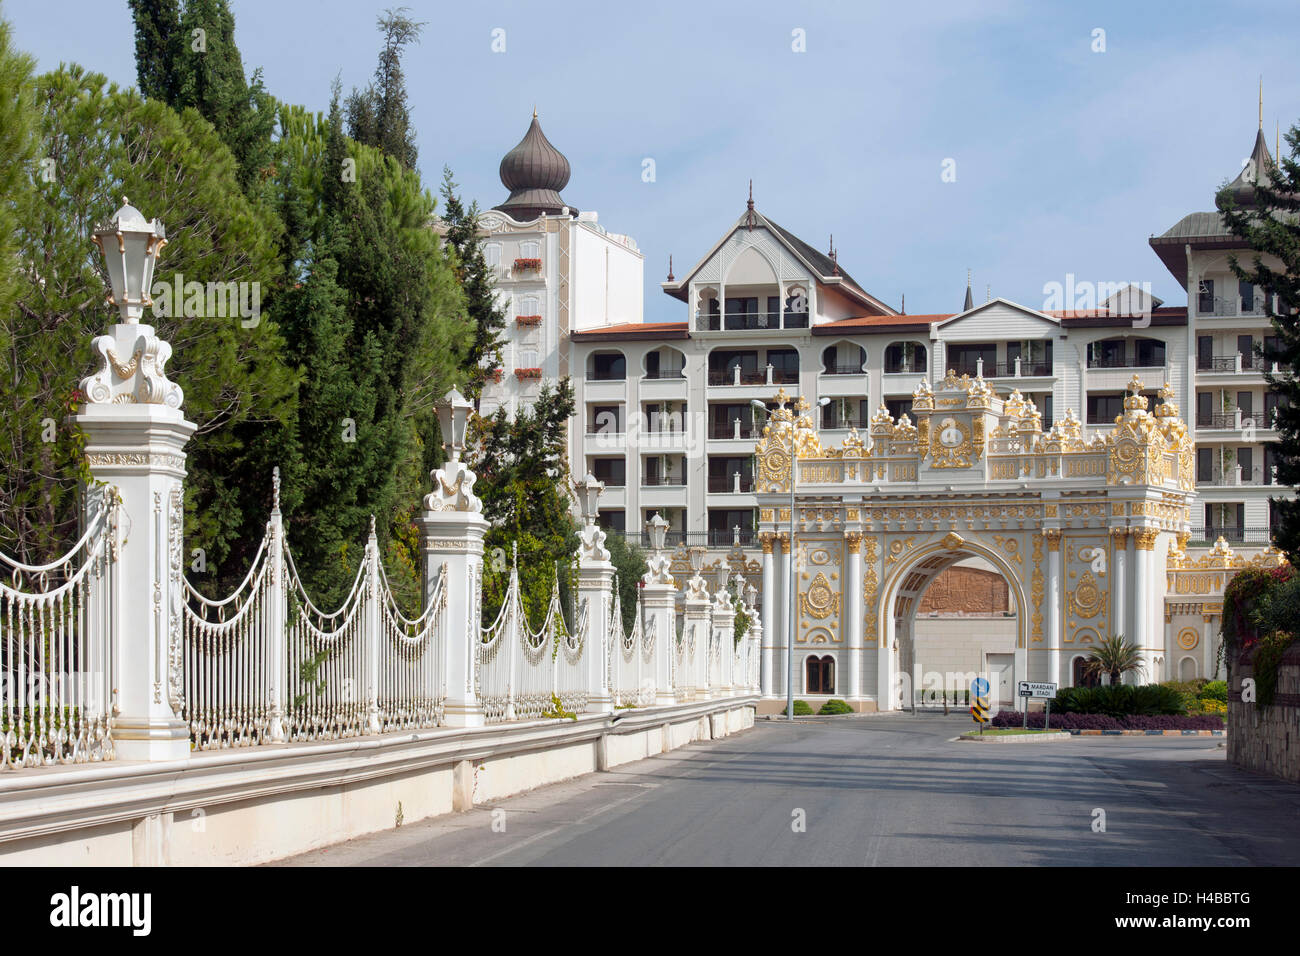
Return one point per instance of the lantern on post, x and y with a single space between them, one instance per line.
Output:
657 531
129 244
453 420
589 491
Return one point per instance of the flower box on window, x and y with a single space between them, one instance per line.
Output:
524 373
494 375
528 319
528 265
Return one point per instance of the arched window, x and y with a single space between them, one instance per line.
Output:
492 254
905 357
529 250
819 675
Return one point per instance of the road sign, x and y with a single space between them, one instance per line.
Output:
979 687
1035 688
979 711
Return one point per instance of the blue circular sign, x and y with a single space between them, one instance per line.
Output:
979 687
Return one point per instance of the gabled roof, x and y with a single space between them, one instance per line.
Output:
825 270
1033 313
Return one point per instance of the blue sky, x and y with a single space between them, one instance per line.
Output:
1066 159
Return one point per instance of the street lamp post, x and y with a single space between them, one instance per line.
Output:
794 571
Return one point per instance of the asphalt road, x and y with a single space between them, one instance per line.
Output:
874 791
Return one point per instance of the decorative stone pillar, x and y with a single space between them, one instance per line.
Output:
768 540
135 443
1053 537
452 529
724 632
1145 607
887 691
659 602
1119 581
853 612
779 624
751 679
695 635
595 580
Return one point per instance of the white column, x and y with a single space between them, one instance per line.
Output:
1144 591
853 612
779 625
695 637
370 630
452 530
659 602
1053 609
766 682
1119 582
724 632
595 580
277 620
135 442
886 692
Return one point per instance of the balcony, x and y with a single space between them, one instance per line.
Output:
736 430
1204 537
1235 364
527 265
1233 477
736 376
914 367
1231 307
733 484
717 538
843 424
663 481
751 321
843 370
1018 368
666 373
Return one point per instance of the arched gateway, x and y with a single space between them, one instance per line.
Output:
1080 528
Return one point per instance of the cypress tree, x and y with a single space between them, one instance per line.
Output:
380 115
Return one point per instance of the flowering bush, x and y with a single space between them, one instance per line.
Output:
1012 718
527 265
522 373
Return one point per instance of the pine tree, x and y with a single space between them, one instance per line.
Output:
18 120
380 115
103 143
484 355
522 467
1271 227
188 57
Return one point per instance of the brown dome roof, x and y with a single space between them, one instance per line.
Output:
534 172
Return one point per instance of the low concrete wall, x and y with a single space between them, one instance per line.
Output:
251 806
1266 739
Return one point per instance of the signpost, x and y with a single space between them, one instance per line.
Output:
979 702
1044 690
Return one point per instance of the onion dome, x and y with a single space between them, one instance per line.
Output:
1258 169
534 172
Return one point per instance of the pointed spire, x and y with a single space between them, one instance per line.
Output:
902 309
988 293
670 267
749 206
970 300
1261 101
835 262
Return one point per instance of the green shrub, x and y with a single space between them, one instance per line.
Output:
801 709
1120 700
1214 690
832 707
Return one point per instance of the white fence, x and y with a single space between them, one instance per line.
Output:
57 650
521 673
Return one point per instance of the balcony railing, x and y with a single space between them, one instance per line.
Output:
608 376
1220 420
1234 363
1235 477
1230 306
913 367
768 376
717 538
1020 369
849 421
737 483
1233 535
722 431
751 321
663 373
663 481
843 370
611 481
1123 361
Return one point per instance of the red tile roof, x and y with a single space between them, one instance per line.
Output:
632 331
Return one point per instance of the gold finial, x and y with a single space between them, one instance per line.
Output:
534 111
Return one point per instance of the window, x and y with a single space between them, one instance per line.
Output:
612 471
742 313
785 366
611 519
1082 678
1205 297
1149 353
1246 462
964 359
905 357
730 474
819 675
1103 409
1270 462
492 254
723 523
898 407
1204 409
608 367
1244 403
1108 353
1204 352
529 250
1204 465
1246 291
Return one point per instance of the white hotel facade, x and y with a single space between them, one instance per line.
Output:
664 413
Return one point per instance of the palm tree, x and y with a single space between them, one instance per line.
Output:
1115 657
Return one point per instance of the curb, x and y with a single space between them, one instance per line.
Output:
1017 738
1146 733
